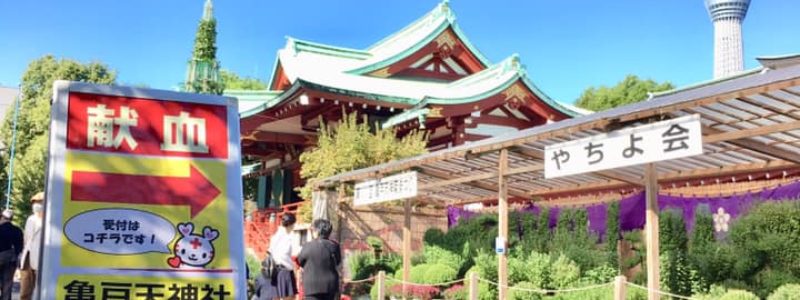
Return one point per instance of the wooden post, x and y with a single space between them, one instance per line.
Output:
502 210
473 286
619 287
651 231
407 248
381 282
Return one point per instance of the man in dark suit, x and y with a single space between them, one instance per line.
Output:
10 247
320 260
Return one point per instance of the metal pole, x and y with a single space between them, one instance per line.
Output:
13 149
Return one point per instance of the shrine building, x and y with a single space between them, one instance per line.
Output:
427 76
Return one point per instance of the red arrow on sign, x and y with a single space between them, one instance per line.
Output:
195 191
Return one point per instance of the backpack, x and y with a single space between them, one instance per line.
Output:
269 269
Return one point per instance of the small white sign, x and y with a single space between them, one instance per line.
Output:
390 188
671 139
500 245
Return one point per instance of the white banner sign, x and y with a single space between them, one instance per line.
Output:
390 188
665 140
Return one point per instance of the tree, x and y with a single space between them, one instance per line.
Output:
612 234
632 89
231 81
353 145
34 122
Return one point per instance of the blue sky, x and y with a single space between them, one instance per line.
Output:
565 45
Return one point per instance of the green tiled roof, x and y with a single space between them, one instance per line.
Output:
339 70
253 102
413 37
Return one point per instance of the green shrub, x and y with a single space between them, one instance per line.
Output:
564 272
418 273
767 281
358 265
456 292
434 236
486 267
363 264
739 295
517 269
253 264
542 239
375 242
676 274
636 294
714 292
767 238
539 268
437 255
770 230
786 292
612 234
515 293
439 273
599 275
599 293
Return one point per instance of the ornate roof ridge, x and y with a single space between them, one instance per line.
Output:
509 64
413 37
295 45
441 12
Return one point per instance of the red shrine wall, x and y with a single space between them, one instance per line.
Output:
386 223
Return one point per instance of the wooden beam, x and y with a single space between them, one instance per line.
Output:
415 72
715 135
502 121
476 177
740 138
469 180
314 113
282 138
668 178
651 231
594 124
502 211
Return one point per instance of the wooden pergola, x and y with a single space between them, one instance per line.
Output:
750 124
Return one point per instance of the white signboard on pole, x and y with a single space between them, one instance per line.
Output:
671 139
390 188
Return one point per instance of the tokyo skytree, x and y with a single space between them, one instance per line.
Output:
727 16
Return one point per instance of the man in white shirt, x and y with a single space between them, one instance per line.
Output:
29 258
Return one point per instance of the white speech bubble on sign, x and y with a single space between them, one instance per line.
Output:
120 231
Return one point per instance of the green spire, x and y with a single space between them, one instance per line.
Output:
202 74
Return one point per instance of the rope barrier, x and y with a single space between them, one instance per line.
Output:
421 284
542 291
360 281
659 292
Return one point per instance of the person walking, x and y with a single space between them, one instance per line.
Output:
282 246
10 247
29 259
319 262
